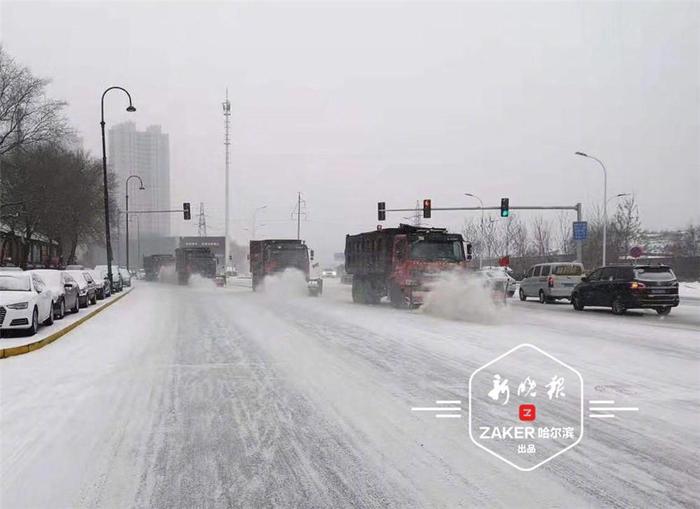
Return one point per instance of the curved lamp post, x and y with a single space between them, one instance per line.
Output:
108 241
141 188
605 199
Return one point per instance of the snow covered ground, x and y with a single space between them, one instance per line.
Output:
210 397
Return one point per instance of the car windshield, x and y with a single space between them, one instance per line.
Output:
437 250
654 274
14 283
569 269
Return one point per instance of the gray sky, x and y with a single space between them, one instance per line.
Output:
353 103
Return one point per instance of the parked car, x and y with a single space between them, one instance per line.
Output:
74 267
103 288
117 283
10 268
87 293
64 290
126 276
141 274
551 281
499 279
628 287
25 301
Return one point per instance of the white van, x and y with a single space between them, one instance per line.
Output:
551 281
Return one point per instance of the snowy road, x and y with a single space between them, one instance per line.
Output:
205 397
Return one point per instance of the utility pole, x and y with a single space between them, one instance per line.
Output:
298 216
227 143
297 211
202 226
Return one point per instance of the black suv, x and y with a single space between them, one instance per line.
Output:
628 287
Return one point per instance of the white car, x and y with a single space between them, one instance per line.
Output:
126 276
551 281
64 290
329 273
499 279
25 301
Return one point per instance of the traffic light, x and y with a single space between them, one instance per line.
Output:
426 208
505 212
381 211
186 211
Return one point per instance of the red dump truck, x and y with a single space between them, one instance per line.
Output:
401 262
271 256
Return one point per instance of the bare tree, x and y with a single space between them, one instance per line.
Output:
518 241
60 193
27 116
563 233
626 226
541 235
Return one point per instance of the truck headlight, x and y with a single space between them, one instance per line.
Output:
18 305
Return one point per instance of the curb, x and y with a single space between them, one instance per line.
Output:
19 350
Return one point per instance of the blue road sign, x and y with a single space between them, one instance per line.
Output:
580 230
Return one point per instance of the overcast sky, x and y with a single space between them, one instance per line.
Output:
354 103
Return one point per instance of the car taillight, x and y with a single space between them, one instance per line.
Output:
550 281
636 285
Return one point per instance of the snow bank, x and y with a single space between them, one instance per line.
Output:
689 290
458 298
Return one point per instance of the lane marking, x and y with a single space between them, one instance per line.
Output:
621 409
435 409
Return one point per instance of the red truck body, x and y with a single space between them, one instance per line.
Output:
400 263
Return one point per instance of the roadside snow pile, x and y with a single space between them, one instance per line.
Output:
458 298
689 290
284 285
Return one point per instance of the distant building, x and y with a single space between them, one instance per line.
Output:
146 154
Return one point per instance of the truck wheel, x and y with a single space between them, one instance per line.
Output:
396 297
542 296
664 310
356 290
371 294
522 295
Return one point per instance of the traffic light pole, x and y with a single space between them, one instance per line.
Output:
577 208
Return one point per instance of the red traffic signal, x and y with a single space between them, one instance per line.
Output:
381 211
427 208
186 211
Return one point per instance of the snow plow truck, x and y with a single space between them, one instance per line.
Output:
272 256
401 263
194 260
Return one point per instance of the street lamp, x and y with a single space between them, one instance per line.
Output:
141 188
620 195
255 213
605 199
481 244
108 240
